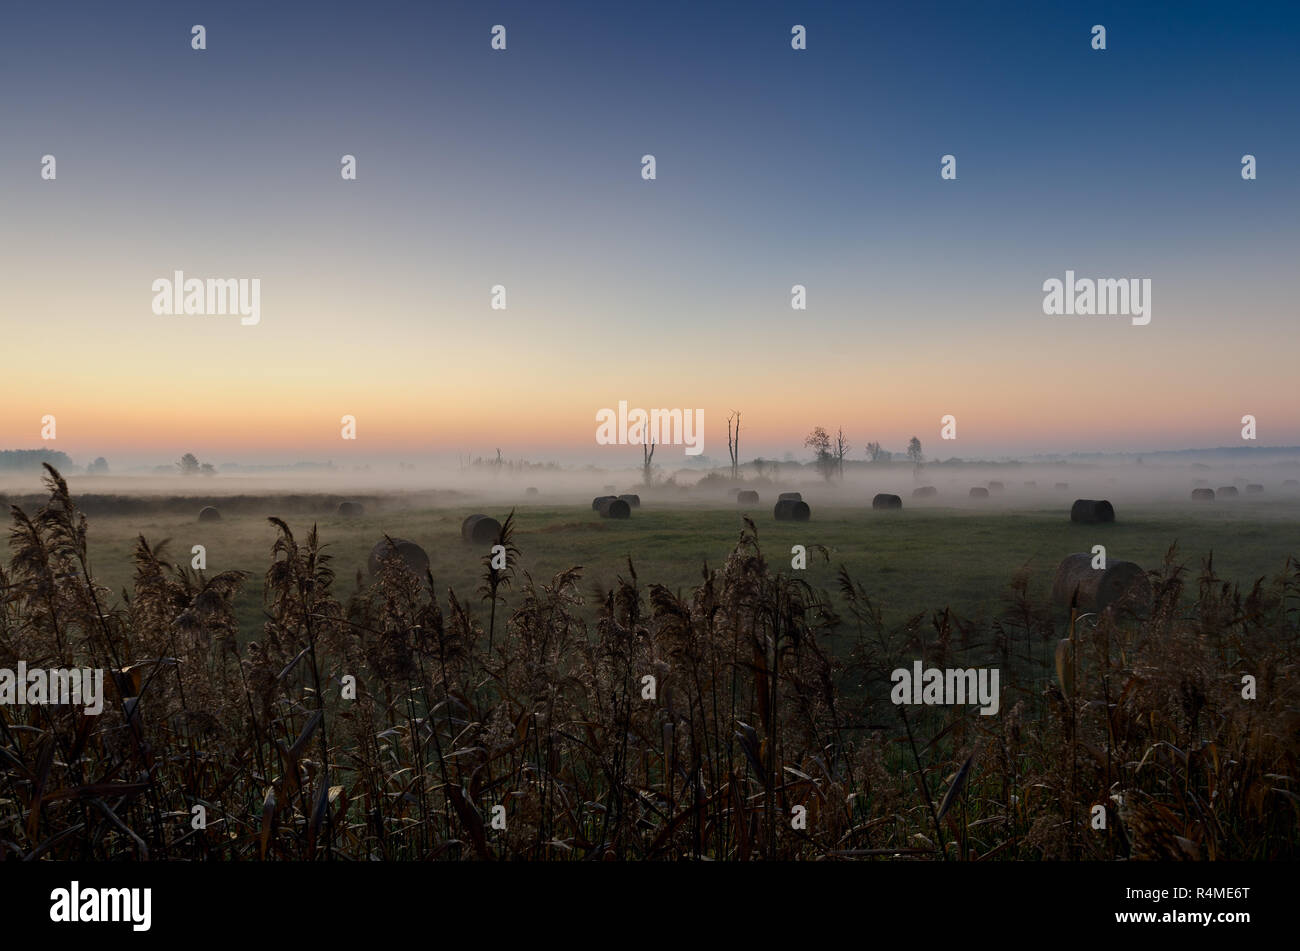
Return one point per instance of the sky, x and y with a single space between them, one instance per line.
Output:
775 167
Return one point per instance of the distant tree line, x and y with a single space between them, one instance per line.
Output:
190 465
829 453
20 460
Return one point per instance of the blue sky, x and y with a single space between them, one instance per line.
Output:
774 167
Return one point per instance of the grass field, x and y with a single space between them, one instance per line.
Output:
388 725
916 560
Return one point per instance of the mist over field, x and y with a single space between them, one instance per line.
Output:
1024 483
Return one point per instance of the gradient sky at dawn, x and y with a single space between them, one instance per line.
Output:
522 168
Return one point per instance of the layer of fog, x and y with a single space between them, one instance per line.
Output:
1022 485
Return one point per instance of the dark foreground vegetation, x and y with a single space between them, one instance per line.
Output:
503 697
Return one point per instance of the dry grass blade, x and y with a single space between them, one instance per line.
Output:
268 817
954 789
470 819
300 744
43 766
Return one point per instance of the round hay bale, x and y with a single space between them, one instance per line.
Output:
531 490
614 507
979 492
413 557
886 501
1202 495
1062 486
351 509
209 514
1092 511
924 492
1120 584
996 487
1254 488
480 530
789 497
633 500
596 502
1226 492
1291 482
747 497
792 510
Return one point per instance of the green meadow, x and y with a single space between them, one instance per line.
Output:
916 560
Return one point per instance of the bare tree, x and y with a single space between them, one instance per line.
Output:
842 448
914 454
647 454
733 444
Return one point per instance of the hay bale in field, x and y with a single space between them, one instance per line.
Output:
1092 511
480 530
747 497
412 556
531 490
598 500
1226 492
886 501
209 514
633 500
614 507
1291 482
1254 488
979 492
792 510
996 487
351 509
789 497
1121 584
1202 495
1062 486
924 492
